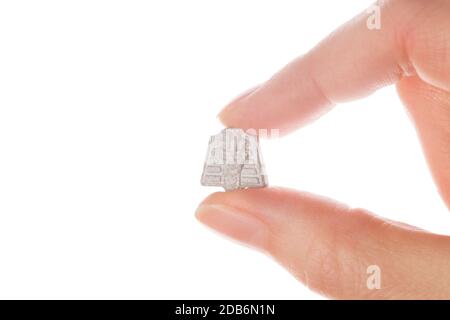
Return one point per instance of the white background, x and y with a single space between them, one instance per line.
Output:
106 108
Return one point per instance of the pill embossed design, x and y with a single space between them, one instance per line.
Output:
234 161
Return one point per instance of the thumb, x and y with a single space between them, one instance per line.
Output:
331 247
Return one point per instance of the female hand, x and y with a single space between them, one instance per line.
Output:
327 245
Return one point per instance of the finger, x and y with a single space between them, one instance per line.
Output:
352 63
429 107
331 247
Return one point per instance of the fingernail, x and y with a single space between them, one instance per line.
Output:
236 99
234 223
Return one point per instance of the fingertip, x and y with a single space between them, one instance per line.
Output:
235 223
226 114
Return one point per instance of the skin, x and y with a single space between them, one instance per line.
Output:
327 245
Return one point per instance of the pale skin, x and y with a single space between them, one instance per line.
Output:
327 245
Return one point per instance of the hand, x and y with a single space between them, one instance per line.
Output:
327 245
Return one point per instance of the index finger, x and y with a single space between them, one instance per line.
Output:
351 63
